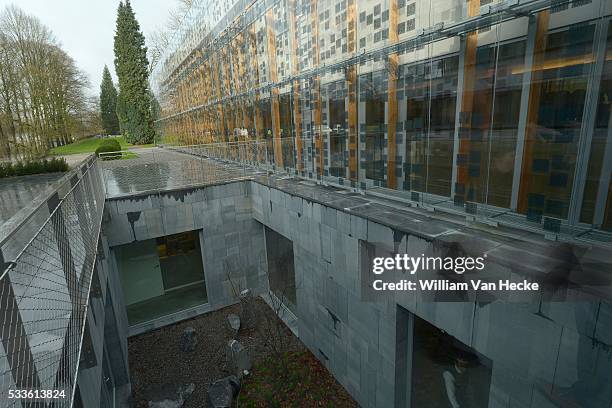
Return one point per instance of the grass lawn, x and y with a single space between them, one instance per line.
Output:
120 156
88 145
303 382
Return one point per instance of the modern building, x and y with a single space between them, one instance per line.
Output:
500 104
303 140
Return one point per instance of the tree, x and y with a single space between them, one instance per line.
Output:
108 104
131 66
42 92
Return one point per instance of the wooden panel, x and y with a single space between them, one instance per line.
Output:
278 150
352 121
533 106
297 115
351 83
392 99
316 93
216 83
467 99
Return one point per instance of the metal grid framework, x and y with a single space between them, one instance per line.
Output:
281 157
381 74
44 295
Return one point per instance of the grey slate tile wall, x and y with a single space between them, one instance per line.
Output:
533 345
107 328
232 241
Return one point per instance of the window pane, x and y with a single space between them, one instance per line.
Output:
373 88
560 77
445 372
430 93
493 125
601 136
161 276
281 272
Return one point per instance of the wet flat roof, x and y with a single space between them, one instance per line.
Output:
158 169
18 192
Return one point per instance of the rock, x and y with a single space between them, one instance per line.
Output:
234 322
248 309
168 395
189 340
238 357
221 393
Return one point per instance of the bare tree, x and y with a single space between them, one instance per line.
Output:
269 319
42 92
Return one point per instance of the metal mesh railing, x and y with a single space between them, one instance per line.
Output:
44 293
280 155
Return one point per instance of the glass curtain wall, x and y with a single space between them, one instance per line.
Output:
493 126
287 133
265 129
373 96
430 94
602 138
336 128
560 77
499 116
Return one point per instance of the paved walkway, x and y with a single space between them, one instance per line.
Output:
75 159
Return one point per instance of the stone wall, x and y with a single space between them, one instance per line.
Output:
232 242
533 344
105 340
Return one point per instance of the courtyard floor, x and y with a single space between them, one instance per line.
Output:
156 359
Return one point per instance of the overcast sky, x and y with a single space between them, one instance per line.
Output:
85 28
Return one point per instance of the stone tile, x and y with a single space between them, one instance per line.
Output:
582 371
155 225
526 343
178 218
137 203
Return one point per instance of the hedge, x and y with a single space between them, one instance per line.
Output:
29 167
109 145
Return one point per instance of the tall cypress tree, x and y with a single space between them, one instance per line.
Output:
131 66
108 104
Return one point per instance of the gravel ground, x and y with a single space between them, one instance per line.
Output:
156 358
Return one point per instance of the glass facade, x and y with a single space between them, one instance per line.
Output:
161 276
481 105
558 91
430 92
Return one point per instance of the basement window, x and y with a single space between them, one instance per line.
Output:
161 276
281 270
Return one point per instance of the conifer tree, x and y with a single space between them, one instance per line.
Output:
108 104
131 66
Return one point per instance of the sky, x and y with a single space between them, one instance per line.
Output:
85 28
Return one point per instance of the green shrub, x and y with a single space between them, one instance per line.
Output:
57 165
33 167
109 145
7 170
